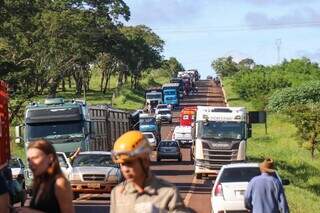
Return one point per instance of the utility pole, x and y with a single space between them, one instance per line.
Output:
278 44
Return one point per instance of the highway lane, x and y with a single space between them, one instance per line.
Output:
196 193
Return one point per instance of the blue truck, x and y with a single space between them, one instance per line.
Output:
171 94
148 123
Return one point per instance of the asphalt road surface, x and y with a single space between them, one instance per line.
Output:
196 193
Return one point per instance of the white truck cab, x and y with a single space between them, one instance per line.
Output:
220 135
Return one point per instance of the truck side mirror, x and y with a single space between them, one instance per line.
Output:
18 134
249 130
87 128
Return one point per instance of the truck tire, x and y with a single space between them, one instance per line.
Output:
180 159
198 176
158 159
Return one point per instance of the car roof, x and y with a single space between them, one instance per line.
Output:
147 133
95 153
240 165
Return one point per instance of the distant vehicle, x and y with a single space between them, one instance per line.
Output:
182 135
154 96
148 123
181 85
187 116
209 77
94 172
17 167
168 150
151 139
164 115
171 94
162 106
230 186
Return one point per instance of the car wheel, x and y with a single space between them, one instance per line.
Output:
76 195
199 176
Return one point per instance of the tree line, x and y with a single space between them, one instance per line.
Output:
46 45
291 88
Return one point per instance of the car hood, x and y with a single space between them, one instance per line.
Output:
96 170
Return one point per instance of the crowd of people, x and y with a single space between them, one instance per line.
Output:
141 191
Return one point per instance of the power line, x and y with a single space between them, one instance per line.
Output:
271 26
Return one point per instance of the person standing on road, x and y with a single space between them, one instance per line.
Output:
141 191
4 196
265 193
51 190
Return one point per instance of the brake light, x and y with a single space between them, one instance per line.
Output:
218 190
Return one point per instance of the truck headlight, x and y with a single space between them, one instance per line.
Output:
74 176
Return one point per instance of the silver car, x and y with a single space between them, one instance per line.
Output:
94 172
164 115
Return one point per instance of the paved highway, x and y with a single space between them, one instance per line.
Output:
196 193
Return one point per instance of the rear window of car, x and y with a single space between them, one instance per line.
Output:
168 144
240 174
162 106
148 135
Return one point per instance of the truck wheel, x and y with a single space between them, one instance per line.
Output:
76 195
180 159
158 159
198 176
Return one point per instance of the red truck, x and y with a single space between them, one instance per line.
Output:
4 125
187 116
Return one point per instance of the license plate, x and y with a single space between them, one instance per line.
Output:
94 185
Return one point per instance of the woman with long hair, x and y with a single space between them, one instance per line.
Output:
51 190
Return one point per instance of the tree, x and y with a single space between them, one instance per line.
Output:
225 66
172 65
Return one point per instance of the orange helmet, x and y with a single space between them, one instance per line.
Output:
130 146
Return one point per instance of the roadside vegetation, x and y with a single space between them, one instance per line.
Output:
289 94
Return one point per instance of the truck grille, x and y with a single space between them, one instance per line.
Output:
93 177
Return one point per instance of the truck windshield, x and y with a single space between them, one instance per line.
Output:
96 160
220 130
53 130
170 92
154 96
147 121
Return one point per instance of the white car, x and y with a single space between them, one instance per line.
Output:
164 115
182 134
162 106
17 167
151 139
230 186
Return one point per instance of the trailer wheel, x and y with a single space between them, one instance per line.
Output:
198 176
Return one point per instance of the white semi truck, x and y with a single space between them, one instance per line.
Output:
220 135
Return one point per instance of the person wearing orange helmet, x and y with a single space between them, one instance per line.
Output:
141 191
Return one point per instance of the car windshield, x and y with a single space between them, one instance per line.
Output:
96 160
147 121
148 135
239 174
162 107
168 144
14 163
53 130
219 130
164 112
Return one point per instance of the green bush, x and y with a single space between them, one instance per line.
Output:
283 99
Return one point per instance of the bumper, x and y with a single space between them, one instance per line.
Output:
220 205
92 187
168 155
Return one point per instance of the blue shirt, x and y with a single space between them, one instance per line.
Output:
265 194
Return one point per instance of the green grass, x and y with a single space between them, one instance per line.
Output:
292 161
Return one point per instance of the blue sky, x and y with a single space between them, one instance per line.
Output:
198 31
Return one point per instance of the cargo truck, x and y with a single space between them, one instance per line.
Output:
148 123
171 94
153 97
220 135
